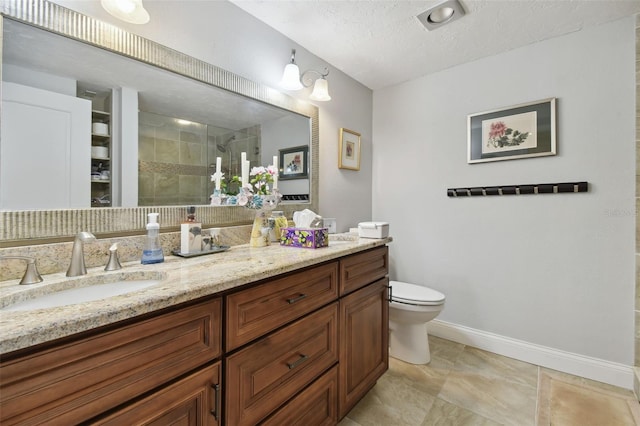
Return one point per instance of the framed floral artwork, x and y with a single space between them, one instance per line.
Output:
520 131
349 157
293 163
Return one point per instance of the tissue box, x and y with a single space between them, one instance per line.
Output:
373 229
304 237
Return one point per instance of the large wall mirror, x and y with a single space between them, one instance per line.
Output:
101 127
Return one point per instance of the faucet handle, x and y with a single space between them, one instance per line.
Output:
114 263
31 274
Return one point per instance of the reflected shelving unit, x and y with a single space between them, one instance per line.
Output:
101 195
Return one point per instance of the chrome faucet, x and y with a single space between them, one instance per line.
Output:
77 254
31 274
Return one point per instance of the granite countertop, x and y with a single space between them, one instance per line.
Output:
182 280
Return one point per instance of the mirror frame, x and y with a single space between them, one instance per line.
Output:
23 227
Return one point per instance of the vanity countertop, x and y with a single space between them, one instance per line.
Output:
184 280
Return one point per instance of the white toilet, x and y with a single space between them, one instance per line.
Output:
411 307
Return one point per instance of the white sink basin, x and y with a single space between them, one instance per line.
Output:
54 298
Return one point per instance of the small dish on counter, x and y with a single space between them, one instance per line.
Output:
201 253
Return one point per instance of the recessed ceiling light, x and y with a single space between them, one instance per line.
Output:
440 14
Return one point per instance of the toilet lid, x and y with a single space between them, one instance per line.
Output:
415 294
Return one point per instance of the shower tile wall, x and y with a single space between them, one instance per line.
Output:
172 162
228 145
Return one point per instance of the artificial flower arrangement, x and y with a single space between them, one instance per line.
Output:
259 192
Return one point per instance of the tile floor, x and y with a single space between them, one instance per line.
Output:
464 386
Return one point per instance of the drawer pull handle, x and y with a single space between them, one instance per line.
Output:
216 410
302 359
296 299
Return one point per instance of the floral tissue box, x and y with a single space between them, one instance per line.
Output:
304 237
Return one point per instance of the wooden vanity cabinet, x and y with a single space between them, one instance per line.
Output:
72 382
299 349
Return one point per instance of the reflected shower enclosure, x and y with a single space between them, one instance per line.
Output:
176 158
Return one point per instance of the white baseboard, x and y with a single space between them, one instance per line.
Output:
579 365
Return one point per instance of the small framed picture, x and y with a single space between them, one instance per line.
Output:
520 131
294 163
349 150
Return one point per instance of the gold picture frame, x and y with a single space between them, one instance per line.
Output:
349 156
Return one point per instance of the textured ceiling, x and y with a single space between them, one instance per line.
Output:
382 43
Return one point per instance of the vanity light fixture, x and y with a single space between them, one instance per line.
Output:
291 76
291 80
441 14
131 11
321 86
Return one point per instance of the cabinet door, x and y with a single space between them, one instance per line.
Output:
44 149
264 375
194 401
364 342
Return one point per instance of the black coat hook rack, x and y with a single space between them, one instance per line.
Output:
541 188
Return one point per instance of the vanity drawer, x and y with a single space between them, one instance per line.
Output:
193 400
358 270
262 376
316 405
75 381
256 311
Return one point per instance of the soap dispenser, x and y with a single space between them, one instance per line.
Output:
152 252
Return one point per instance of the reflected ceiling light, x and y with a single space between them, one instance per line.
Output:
131 11
291 80
441 14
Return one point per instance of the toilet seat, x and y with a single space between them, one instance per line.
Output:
413 294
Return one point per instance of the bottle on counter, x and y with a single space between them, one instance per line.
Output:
152 252
190 233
